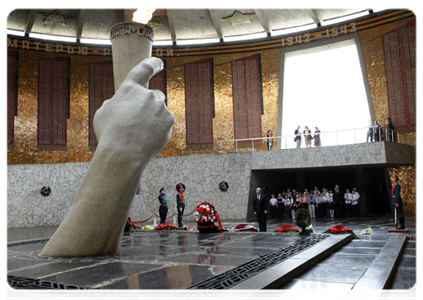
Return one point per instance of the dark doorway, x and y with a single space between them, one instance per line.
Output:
370 182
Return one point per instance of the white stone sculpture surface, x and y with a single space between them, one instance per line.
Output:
131 127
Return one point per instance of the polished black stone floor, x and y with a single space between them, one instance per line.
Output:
180 259
344 268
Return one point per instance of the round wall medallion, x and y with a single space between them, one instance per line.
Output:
223 186
45 191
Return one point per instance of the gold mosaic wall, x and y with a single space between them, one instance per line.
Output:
223 121
372 45
25 143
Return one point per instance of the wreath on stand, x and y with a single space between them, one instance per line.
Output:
302 219
205 216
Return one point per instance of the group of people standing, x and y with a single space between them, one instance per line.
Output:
308 137
180 203
321 204
375 133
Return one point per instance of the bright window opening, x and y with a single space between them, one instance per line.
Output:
324 87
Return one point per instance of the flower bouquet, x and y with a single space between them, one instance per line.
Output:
167 226
205 216
287 228
130 225
341 229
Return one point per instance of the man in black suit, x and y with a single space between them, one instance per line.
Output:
338 201
260 206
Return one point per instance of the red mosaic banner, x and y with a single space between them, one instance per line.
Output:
199 102
400 66
12 94
158 82
101 87
247 98
53 103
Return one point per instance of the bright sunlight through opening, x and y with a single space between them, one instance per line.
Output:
323 87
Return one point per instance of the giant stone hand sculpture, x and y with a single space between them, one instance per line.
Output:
131 128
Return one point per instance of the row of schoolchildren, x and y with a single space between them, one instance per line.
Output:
320 204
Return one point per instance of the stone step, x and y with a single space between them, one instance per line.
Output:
379 274
280 274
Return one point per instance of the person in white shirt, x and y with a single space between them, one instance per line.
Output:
281 207
331 206
347 198
355 197
316 191
307 137
287 204
319 211
312 205
273 206
296 204
325 203
288 193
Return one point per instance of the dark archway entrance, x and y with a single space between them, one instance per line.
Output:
370 181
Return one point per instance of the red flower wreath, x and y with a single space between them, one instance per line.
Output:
287 228
166 226
205 213
340 229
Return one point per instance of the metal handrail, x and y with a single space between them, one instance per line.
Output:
387 133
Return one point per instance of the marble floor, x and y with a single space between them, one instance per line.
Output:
180 259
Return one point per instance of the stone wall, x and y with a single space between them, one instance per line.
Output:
201 174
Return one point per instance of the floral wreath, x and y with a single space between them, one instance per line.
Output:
205 213
168 226
223 186
302 218
45 191
287 228
131 225
341 229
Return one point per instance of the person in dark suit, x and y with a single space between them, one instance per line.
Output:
297 138
338 202
397 201
260 206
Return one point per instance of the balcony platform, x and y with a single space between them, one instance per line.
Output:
381 154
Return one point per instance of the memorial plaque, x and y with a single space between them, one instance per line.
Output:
101 87
12 94
247 98
400 66
199 103
53 103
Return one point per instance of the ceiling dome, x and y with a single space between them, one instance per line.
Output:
175 26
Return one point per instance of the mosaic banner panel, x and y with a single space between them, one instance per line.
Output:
53 103
400 66
199 103
101 87
12 94
247 98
